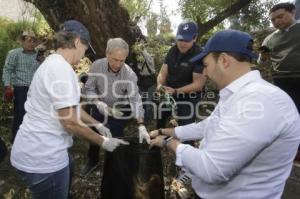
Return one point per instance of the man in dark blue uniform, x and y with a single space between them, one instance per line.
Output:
181 78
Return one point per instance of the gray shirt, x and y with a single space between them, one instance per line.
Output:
114 88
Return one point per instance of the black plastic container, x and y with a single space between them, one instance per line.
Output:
133 172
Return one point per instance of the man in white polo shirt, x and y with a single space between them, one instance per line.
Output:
250 139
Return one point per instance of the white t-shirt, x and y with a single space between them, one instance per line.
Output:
41 143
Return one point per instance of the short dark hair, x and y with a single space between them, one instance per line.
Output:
64 39
238 56
287 6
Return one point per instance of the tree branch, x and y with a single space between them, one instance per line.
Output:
232 9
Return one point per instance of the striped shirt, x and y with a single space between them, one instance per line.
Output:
19 68
113 88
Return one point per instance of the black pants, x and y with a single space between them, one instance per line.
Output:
290 85
20 96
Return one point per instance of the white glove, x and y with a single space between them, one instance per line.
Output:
105 110
103 130
143 134
110 144
183 193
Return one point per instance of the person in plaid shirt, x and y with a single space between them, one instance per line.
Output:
20 66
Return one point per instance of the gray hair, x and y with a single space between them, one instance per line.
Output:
63 39
116 43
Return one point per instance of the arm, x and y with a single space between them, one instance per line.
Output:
197 84
265 56
86 118
183 133
90 87
8 69
137 108
72 124
162 76
238 138
69 120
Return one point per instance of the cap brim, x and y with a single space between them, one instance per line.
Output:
198 58
91 47
184 37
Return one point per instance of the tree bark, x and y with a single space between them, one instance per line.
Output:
232 9
103 18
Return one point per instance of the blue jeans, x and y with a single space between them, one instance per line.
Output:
54 185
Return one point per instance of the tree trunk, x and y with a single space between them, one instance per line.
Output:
103 18
232 9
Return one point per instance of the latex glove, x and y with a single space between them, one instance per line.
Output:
183 193
103 130
105 110
143 134
114 112
110 144
8 94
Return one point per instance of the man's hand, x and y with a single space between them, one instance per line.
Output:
103 130
110 144
154 134
143 134
157 141
169 90
159 87
8 94
105 110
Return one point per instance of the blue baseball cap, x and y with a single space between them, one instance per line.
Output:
78 28
187 31
232 41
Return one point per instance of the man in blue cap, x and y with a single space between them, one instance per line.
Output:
53 116
181 78
250 139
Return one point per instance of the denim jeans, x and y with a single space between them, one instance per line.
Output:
54 185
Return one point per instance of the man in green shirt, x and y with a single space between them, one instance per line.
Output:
282 50
20 66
